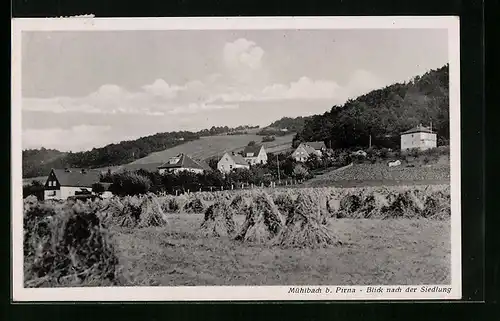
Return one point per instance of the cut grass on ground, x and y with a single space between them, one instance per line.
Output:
381 252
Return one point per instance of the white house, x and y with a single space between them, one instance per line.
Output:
302 152
255 154
419 137
63 183
230 161
181 163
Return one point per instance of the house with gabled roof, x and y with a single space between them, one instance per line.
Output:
304 150
419 137
231 161
255 154
183 162
63 183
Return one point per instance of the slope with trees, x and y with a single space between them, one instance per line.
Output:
384 114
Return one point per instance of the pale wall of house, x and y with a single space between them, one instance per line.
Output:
177 170
227 164
300 154
51 194
421 141
261 158
67 191
64 192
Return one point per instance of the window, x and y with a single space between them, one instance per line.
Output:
51 193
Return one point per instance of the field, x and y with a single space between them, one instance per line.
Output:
373 235
373 252
381 175
207 147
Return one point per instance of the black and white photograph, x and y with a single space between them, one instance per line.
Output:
180 159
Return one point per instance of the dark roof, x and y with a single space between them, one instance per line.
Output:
255 149
76 177
183 161
151 167
238 159
418 129
316 145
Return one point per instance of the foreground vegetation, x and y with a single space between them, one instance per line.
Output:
290 236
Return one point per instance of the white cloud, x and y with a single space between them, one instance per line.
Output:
160 88
243 53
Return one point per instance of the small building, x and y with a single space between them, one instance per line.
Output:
230 161
183 162
304 150
255 154
419 137
64 183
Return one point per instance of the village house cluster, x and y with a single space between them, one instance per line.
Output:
71 182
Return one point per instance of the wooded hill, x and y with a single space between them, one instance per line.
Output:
385 113
38 162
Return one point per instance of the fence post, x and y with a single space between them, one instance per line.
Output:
176 192
262 184
221 187
211 187
232 186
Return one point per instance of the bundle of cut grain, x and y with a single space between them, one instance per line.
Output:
263 220
74 248
218 220
151 212
349 205
194 205
170 205
406 204
303 226
437 206
284 202
238 204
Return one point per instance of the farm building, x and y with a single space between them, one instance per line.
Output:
419 137
303 151
255 154
230 161
181 163
63 183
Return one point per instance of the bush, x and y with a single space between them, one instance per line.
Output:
268 139
126 183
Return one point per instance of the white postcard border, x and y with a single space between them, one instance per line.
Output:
233 293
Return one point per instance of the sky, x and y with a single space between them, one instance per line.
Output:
85 89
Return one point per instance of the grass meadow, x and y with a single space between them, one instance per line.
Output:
384 252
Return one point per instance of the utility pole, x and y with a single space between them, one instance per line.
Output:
278 163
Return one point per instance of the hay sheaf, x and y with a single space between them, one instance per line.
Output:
218 220
70 246
151 212
304 228
263 220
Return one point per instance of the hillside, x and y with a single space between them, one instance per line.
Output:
211 146
385 113
39 162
